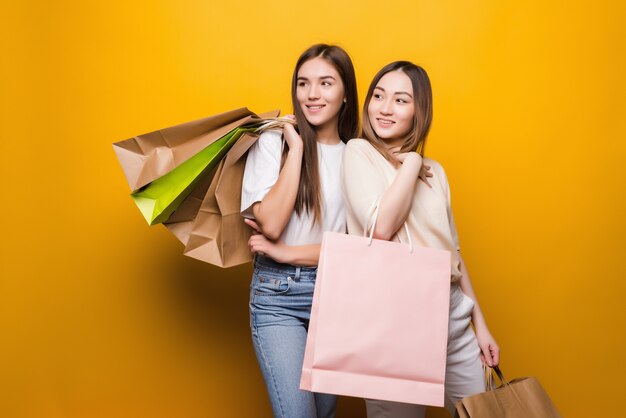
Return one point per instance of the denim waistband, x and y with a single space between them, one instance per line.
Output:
266 263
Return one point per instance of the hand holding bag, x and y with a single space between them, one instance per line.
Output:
520 398
379 321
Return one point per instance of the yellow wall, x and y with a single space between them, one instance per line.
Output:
101 315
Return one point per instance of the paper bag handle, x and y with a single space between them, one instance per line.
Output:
489 376
371 234
505 383
500 375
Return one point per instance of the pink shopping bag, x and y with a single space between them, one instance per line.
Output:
379 321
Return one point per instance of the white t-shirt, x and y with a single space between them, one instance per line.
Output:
261 173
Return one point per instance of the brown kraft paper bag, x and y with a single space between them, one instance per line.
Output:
145 158
520 398
218 234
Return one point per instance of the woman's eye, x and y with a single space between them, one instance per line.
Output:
301 84
325 83
378 96
401 101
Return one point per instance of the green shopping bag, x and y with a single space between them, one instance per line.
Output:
159 199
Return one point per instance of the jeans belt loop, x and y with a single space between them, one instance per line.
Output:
297 277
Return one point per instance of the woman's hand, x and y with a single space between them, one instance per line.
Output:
256 229
293 139
424 169
403 156
490 352
424 174
277 251
259 243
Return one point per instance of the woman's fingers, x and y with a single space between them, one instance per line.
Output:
256 229
256 246
490 352
495 354
291 136
425 180
486 352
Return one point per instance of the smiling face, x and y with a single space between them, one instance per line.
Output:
320 92
391 109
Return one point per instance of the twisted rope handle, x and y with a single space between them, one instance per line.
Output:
371 234
273 123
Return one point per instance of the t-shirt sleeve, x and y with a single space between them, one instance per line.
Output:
446 188
362 183
262 170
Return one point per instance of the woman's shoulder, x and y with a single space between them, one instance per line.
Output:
362 149
272 135
360 145
437 170
357 142
270 141
435 165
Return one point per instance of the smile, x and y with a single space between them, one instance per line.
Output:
385 122
315 108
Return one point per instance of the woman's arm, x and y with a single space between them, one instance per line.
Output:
301 255
395 205
274 211
489 348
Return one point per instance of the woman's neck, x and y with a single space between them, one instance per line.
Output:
393 143
328 133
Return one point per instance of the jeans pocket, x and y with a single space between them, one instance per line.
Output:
271 286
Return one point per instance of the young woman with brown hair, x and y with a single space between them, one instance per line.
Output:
292 192
387 171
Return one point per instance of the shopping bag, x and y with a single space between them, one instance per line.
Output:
218 234
181 220
379 321
160 198
520 398
147 157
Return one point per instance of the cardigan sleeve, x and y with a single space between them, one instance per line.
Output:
446 188
362 183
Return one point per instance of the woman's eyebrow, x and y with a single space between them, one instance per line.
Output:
396 93
324 77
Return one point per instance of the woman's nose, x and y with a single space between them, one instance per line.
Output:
386 108
314 92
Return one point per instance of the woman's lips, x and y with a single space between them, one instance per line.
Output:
384 123
315 108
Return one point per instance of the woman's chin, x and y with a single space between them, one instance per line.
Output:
385 135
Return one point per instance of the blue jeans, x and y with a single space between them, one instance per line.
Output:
280 307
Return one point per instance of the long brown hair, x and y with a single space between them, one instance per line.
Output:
415 140
309 197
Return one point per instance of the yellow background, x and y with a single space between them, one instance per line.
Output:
102 316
